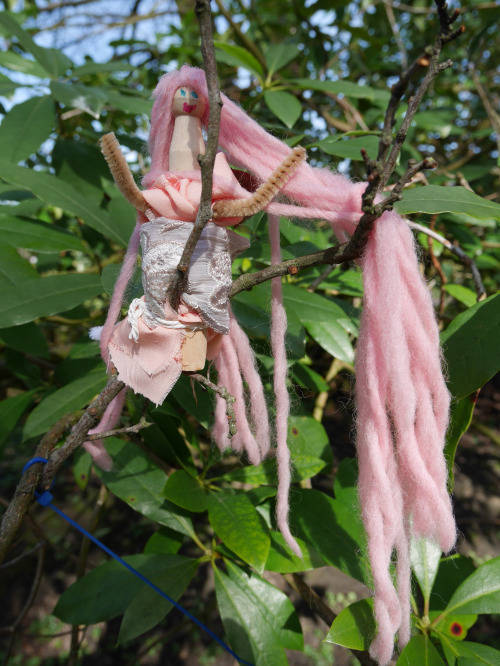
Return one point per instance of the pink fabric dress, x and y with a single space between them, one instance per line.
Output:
146 346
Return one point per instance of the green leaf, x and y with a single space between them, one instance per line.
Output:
462 294
303 467
307 436
347 88
460 418
14 269
54 62
286 107
249 632
452 572
91 67
284 560
424 558
332 338
77 96
332 528
454 626
185 491
38 236
82 465
17 63
148 608
106 592
235 520
345 483
137 106
7 87
75 395
279 55
45 297
433 199
421 651
139 483
238 57
25 128
477 654
26 338
11 410
165 541
351 148
303 375
471 348
196 402
479 593
55 192
273 605
354 627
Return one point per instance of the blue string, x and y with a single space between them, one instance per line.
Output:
45 499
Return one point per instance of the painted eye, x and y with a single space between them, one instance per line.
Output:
183 93
195 95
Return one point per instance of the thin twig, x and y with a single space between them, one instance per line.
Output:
121 431
202 10
225 395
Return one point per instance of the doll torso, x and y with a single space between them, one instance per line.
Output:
209 276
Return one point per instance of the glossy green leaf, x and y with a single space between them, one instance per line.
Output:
477 654
106 592
77 96
238 57
306 436
479 593
250 634
303 467
454 626
424 558
139 483
148 608
25 128
421 651
185 491
462 294
55 192
279 55
91 67
351 148
460 419
354 627
303 375
37 236
53 61
285 106
11 410
75 395
273 605
26 338
433 199
471 348
345 483
14 269
332 528
235 520
165 541
284 560
332 338
45 297
452 572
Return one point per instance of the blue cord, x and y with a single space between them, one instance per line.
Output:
45 499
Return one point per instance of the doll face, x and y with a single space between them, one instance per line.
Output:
187 102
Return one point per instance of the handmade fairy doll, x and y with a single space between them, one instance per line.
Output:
402 399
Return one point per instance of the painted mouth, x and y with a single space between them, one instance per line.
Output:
188 108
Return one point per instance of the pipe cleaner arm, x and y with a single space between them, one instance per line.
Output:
265 193
121 172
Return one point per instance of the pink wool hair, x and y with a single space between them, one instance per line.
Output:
402 398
